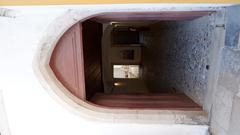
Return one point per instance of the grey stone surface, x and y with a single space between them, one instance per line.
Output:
177 54
234 128
226 105
221 111
225 118
233 26
229 76
216 129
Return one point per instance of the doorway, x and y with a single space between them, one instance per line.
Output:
135 61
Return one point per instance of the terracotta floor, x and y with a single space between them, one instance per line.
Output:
144 101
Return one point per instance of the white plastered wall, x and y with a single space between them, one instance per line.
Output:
28 39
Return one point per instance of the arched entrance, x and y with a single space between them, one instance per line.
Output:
76 98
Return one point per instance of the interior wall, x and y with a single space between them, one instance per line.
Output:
92 38
177 55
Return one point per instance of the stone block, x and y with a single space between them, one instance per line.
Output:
234 127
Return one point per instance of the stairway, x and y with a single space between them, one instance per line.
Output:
146 101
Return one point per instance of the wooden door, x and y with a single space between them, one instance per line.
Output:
67 61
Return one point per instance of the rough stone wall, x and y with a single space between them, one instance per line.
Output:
176 56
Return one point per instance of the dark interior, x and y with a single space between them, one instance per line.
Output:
92 57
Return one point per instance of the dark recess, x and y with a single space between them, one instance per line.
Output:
92 35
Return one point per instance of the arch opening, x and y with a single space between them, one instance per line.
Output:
136 60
